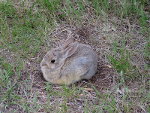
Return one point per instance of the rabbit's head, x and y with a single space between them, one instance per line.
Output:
55 58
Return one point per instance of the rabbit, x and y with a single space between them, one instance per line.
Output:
68 63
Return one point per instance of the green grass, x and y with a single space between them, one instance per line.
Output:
21 32
8 83
132 9
120 60
24 32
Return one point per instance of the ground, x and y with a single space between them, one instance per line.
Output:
120 38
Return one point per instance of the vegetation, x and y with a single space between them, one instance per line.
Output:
24 34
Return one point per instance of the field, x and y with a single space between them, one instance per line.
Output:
118 30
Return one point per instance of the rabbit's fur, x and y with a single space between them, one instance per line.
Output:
69 63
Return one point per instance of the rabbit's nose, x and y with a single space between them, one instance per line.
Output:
45 64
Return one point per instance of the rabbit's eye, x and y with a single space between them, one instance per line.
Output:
52 61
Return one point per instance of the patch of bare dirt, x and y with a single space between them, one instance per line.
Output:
88 34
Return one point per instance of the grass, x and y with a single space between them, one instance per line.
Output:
24 31
121 61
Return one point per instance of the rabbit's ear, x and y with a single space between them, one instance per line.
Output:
67 42
59 43
70 50
64 43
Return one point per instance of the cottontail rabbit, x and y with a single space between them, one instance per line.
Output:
69 62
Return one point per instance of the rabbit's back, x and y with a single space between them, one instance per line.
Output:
81 65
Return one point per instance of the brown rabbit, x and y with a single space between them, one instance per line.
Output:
70 62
